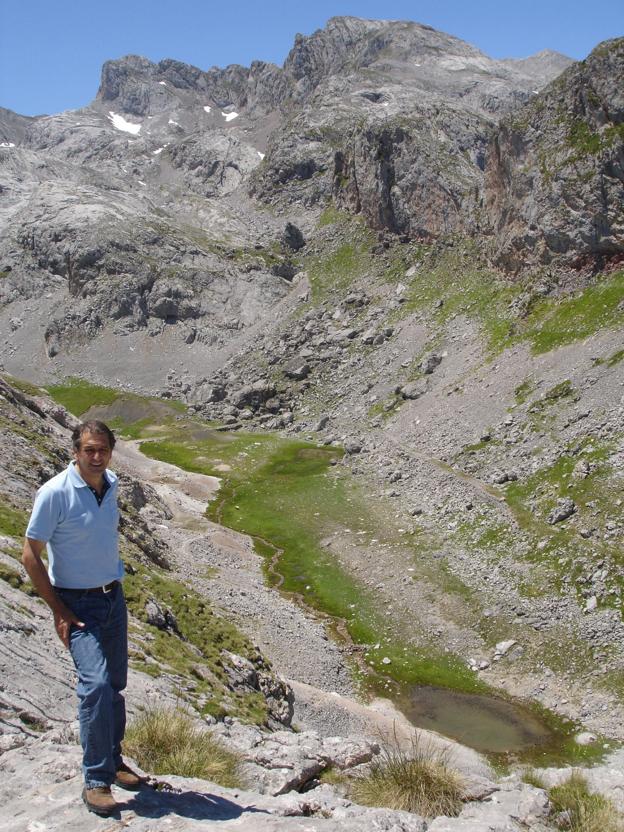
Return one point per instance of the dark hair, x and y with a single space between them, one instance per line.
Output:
92 426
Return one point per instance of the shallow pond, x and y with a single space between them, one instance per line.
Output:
485 723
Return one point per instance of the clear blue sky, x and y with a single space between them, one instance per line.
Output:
51 51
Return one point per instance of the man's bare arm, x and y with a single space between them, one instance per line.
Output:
63 616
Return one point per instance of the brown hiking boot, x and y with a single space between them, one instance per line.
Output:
127 779
99 800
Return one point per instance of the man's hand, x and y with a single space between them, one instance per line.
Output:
63 616
63 620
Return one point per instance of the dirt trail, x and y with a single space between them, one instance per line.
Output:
199 487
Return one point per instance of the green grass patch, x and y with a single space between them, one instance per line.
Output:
563 390
542 489
14 579
567 555
524 390
13 521
171 742
78 395
335 271
385 408
127 413
332 216
202 636
554 322
23 386
454 281
612 360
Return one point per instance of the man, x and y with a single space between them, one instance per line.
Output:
75 514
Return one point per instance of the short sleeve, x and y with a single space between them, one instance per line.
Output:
45 516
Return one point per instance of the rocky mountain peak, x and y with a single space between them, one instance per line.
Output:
139 87
544 64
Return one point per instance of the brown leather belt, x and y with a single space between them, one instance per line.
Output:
102 589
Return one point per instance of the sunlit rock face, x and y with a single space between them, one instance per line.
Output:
555 172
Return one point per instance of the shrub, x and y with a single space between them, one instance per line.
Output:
168 741
579 810
418 780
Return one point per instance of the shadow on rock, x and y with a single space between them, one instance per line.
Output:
195 805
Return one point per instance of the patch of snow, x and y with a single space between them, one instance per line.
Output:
261 155
535 92
162 83
7 144
121 124
160 150
207 108
175 123
140 182
417 64
229 116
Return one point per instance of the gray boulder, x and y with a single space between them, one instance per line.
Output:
292 237
253 395
565 508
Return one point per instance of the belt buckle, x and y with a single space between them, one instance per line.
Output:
106 591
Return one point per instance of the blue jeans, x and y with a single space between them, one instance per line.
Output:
100 654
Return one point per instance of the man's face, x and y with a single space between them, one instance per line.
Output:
93 455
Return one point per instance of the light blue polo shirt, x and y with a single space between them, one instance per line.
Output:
81 537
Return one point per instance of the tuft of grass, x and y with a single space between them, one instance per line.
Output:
577 809
166 741
533 778
418 780
524 390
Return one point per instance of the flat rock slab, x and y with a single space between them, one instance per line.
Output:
40 791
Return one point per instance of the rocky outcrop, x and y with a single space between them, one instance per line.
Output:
415 176
142 88
554 185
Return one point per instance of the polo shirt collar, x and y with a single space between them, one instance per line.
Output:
78 482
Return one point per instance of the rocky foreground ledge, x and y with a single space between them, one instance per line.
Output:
41 783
